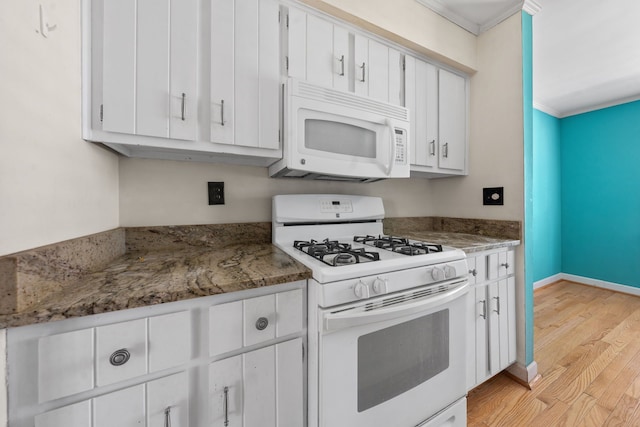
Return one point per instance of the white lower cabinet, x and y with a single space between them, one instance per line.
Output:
258 388
148 367
491 317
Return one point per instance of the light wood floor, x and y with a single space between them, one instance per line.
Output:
587 346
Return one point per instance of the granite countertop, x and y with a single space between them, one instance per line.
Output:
467 242
136 267
143 278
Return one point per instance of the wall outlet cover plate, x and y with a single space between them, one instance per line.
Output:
493 196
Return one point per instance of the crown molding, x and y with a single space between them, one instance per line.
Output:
440 7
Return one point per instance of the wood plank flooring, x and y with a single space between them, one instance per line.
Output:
587 346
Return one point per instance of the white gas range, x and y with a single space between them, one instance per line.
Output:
386 316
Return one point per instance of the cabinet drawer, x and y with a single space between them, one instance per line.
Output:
477 269
500 264
169 340
255 320
121 351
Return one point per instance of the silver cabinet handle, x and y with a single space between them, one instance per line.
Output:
183 106
222 112
167 417
473 272
262 323
497 310
341 65
445 150
226 406
484 309
363 66
505 265
432 148
119 357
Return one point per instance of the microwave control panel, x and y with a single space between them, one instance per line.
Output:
401 146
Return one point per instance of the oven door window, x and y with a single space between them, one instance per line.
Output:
392 360
339 138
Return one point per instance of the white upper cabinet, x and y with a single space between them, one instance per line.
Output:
149 76
245 73
329 55
437 101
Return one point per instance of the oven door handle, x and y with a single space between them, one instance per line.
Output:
346 319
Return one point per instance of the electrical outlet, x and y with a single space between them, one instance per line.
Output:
216 193
493 196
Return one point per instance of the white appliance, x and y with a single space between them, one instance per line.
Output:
386 316
335 135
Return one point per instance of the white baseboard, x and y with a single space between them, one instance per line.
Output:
527 375
625 289
549 280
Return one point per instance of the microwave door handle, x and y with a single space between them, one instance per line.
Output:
345 319
392 148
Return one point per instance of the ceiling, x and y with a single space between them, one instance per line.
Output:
586 53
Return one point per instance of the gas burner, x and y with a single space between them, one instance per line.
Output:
400 245
334 253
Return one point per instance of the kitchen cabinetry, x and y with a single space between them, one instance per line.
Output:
491 314
437 102
167 83
327 54
162 365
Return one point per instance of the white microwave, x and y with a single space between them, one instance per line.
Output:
336 135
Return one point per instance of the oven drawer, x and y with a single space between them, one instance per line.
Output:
453 416
244 323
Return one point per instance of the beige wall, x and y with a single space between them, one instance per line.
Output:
154 192
53 185
496 148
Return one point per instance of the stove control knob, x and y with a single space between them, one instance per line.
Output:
437 274
449 271
380 286
361 290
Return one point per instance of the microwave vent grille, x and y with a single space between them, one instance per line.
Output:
311 91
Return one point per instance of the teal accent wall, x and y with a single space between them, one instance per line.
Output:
527 109
547 237
600 162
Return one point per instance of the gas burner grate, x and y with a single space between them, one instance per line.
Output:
400 245
334 253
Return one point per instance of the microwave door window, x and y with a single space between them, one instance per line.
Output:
340 138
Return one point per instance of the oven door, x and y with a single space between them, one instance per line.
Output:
392 361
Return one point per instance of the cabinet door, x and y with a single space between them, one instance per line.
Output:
119 72
341 59
289 383
452 121
77 415
65 364
168 402
269 77
378 71
482 334
396 77
124 408
361 65
222 72
501 307
259 387
495 326
426 114
297 44
319 51
511 313
471 337
226 392
183 72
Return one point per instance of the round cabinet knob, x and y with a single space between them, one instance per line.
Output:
380 286
361 290
437 274
262 323
449 271
119 357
